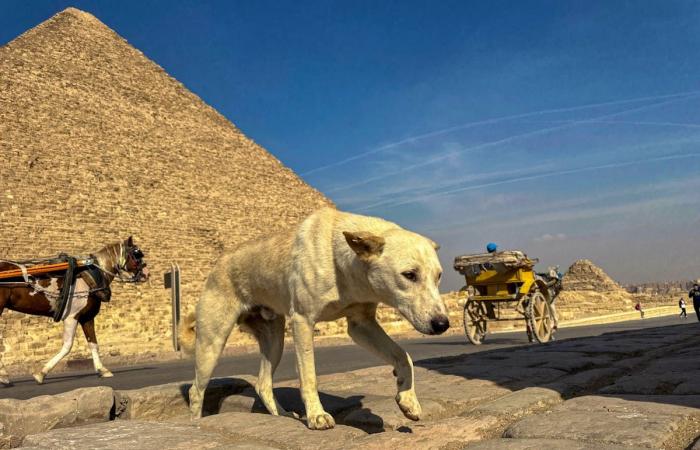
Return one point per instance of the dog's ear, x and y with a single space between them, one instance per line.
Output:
130 241
435 245
364 244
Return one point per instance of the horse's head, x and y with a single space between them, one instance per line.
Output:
132 261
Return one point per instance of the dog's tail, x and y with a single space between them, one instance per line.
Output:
187 334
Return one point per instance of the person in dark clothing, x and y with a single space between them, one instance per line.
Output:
695 295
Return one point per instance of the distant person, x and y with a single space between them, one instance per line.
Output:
695 295
639 308
681 305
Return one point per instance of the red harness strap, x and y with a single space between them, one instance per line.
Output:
40 269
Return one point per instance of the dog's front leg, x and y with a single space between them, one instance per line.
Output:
303 330
364 329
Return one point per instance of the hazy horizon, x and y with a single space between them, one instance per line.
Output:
568 130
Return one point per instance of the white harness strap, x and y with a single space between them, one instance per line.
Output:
22 267
25 275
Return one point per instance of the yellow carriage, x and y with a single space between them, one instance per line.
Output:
502 281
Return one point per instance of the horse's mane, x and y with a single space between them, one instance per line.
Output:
108 257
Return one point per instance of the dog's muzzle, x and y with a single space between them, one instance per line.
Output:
439 324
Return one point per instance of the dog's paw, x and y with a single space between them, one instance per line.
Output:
323 421
4 379
39 377
408 403
104 373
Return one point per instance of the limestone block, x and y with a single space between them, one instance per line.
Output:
20 418
520 403
170 400
452 433
545 444
279 431
134 434
621 428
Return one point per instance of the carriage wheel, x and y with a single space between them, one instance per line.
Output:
539 317
475 322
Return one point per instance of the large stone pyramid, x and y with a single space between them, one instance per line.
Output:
97 142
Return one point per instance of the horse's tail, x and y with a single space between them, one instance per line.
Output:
187 334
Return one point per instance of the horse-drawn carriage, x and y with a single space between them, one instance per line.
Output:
69 289
499 282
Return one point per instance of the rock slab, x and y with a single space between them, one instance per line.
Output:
281 432
136 435
19 418
171 400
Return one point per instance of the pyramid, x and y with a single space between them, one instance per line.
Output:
583 275
98 142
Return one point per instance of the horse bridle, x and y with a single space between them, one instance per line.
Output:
134 255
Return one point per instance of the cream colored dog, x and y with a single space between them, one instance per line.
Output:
333 265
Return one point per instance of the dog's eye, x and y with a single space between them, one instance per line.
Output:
410 275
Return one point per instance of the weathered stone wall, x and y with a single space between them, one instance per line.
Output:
97 142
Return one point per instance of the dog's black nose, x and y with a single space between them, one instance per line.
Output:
440 324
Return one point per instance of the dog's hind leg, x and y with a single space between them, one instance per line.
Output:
216 316
365 331
270 337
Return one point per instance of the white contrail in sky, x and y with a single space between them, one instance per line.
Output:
504 141
490 121
626 122
390 197
536 177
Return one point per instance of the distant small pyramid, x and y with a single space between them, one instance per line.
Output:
583 275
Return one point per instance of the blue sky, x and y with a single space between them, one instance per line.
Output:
568 129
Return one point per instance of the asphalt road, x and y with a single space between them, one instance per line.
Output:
331 359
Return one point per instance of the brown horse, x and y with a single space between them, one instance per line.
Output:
39 296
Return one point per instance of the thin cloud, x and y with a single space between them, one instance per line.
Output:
504 141
420 187
579 214
537 177
423 185
487 122
550 237
553 210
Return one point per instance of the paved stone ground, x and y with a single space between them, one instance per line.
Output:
629 390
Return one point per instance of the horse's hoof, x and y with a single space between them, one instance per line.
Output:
39 377
105 373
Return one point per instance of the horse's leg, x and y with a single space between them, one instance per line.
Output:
69 327
89 330
4 376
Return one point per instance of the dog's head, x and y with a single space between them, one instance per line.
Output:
403 269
